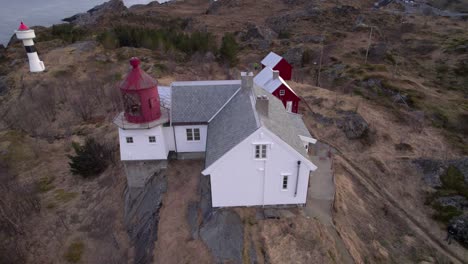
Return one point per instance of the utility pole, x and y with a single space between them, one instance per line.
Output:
370 42
320 63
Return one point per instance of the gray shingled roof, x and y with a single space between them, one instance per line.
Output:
234 123
238 119
279 122
300 125
197 102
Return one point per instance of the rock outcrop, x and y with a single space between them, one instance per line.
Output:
459 226
353 125
223 233
92 16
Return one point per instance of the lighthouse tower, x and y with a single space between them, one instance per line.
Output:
27 35
144 132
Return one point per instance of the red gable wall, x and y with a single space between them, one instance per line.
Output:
288 96
285 69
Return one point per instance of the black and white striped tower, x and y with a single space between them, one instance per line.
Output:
27 35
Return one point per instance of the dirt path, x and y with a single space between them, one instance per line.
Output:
175 243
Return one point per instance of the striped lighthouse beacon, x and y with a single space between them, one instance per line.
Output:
143 126
27 35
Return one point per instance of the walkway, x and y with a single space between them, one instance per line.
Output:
321 195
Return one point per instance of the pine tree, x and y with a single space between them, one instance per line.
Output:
91 159
229 49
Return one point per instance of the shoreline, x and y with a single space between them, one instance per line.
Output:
37 16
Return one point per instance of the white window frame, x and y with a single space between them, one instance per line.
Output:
262 150
152 142
282 92
129 140
285 176
193 134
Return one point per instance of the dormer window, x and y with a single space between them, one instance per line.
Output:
282 92
261 151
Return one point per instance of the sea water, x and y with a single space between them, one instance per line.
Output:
44 12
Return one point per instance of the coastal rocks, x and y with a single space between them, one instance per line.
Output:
223 233
353 125
112 7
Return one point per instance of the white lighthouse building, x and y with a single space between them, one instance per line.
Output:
255 152
27 35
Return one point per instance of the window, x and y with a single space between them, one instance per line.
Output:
129 139
282 92
152 139
193 134
285 182
260 151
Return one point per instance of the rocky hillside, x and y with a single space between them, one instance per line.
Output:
385 88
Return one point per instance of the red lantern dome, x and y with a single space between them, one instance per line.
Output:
23 27
140 95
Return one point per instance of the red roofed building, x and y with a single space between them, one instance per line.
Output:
271 81
278 63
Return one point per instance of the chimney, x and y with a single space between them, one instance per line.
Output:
275 75
261 105
247 81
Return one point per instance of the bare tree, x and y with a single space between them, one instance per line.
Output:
83 105
369 44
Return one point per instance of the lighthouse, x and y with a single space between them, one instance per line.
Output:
27 35
144 130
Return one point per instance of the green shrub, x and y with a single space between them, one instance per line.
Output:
158 39
68 32
445 213
62 196
45 184
284 34
91 159
229 49
453 179
74 252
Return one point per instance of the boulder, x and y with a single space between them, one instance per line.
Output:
310 39
257 32
282 23
91 17
433 169
459 226
3 85
294 56
216 6
377 52
353 125
457 201
295 2
223 233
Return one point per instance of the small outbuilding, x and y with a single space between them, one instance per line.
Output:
271 81
278 63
